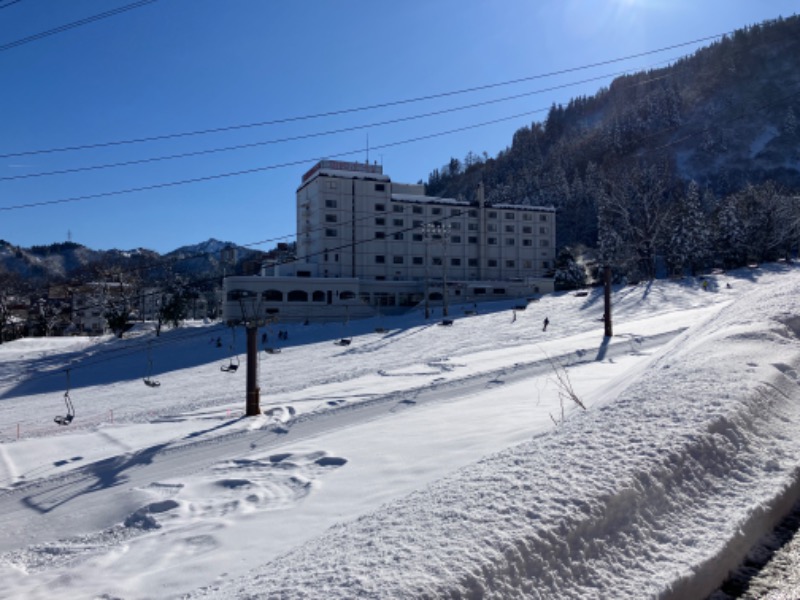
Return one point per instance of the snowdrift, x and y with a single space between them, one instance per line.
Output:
617 502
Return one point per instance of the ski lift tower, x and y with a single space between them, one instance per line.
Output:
251 324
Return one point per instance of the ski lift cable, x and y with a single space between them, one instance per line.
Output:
115 354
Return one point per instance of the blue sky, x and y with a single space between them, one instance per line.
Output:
181 66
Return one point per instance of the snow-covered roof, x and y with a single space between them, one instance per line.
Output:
428 199
350 175
522 207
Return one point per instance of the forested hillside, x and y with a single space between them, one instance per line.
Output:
692 165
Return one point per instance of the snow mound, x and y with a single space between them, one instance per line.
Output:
617 502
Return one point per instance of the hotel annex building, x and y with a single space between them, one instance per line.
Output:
367 245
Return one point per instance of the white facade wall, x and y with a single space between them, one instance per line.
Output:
360 224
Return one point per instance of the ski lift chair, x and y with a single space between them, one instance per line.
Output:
232 366
66 419
148 379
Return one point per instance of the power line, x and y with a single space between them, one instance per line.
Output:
86 21
324 133
259 169
7 4
361 108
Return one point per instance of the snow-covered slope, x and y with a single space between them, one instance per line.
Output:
657 493
421 462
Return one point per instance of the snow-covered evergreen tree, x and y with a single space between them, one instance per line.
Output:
569 274
689 237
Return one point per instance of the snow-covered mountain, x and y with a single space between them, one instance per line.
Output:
56 263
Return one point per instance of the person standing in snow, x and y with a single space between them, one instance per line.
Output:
514 318
546 323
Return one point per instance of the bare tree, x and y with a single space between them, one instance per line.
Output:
566 392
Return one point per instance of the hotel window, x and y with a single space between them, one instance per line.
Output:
397 208
455 262
398 260
543 217
380 221
543 230
398 222
510 264
509 229
436 261
472 227
455 212
545 264
417 210
330 203
417 237
417 260
509 241
455 225
330 218
436 211
473 213
527 242
456 239
472 262
527 229
527 264
380 187
380 259
509 215
380 207
491 262
491 227
527 217
473 239
331 233
380 235
492 214
398 236
492 241
416 223
544 243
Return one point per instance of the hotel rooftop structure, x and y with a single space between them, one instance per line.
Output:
366 245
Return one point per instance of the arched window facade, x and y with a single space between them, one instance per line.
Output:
297 296
318 296
347 295
273 296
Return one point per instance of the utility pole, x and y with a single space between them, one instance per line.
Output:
607 300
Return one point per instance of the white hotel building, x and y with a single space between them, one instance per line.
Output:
367 245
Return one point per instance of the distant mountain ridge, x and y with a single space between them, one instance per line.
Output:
71 262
